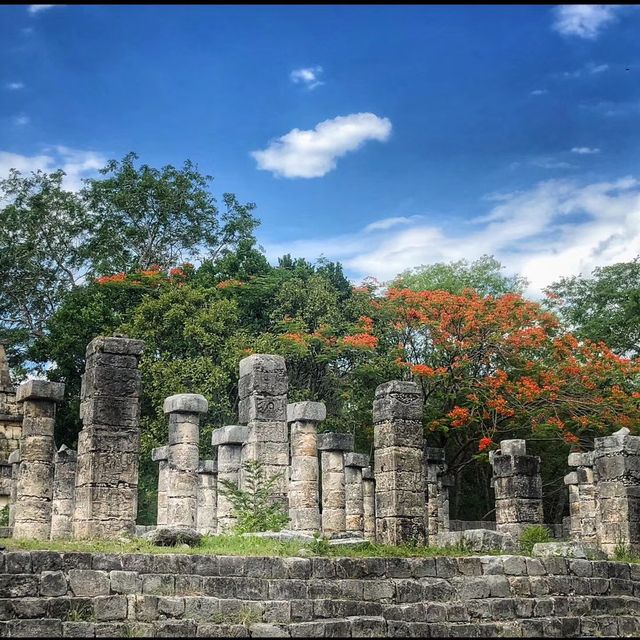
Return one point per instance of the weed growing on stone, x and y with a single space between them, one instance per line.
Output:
532 535
80 613
244 617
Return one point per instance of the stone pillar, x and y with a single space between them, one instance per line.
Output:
354 463
109 443
207 523
617 472
582 498
369 504
332 447
161 456
399 463
437 492
14 461
10 419
184 411
262 389
64 492
229 441
304 508
32 514
518 488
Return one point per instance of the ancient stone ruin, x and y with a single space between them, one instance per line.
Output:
401 496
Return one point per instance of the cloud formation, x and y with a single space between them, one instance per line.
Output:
584 150
37 8
77 164
555 228
14 86
539 92
308 76
584 20
21 121
312 153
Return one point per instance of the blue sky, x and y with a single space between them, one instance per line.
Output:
384 136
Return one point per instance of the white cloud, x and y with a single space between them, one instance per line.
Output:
555 228
308 76
584 150
539 92
14 86
37 8
549 163
591 68
75 163
312 153
388 223
584 20
21 121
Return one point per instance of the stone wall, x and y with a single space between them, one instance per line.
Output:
49 594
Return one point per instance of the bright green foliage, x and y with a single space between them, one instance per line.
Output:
604 307
484 275
4 516
254 506
532 535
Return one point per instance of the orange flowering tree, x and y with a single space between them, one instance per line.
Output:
495 367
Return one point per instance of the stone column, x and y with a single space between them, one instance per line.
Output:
32 514
207 523
109 443
582 498
184 411
518 488
354 463
332 447
304 508
369 504
10 417
262 389
161 456
399 463
64 493
617 472
14 461
437 492
229 441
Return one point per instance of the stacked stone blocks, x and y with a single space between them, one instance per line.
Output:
582 498
207 520
109 443
34 487
332 447
518 488
399 464
304 506
64 492
354 463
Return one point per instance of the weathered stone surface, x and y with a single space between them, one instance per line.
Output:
513 447
170 536
304 510
566 550
581 459
480 540
40 390
335 442
160 453
306 412
63 499
360 460
231 434
185 403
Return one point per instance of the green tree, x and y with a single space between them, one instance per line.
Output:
484 275
604 307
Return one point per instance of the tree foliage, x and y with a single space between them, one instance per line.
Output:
604 307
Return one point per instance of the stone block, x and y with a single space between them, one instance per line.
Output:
263 363
159 454
53 583
231 434
504 466
185 403
262 408
513 447
331 441
40 390
360 460
400 433
265 431
571 478
306 412
89 583
393 459
581 459
110 412
518 487
112 382
397 400
107 608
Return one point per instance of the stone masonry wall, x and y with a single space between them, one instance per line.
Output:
50 594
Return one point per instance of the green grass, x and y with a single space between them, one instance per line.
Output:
237 546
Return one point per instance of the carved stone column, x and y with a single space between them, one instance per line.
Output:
64 493
332 447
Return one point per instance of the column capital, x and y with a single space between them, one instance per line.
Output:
185 403
306 411
335 442
40 390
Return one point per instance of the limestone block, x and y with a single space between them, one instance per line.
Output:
360 460
37 448
208 467
112 381
395 503
108 441
304 440
263 363
229 458
109 470
184 457
262 408
335 442
504 466
581 459
185 403
306 412
268 432
40 390
392 459
511 510
367 474
35 479
111 411
513 447
399 481
398 433
303 495
585 475
399 530
304 469
332 463
397 400
159 454
519 486
571 478
305 519
37 426
230 435
14 457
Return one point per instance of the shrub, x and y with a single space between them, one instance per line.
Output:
532 535
255 508
4 516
